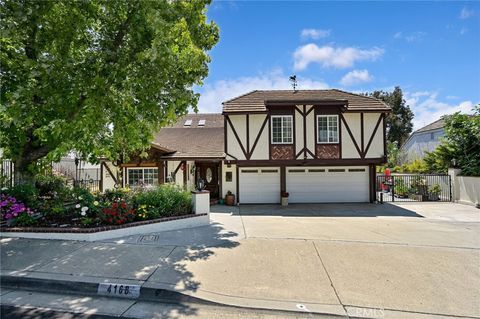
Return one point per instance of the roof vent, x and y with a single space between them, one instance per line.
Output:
188 123
201 123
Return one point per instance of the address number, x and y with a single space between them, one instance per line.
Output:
119 290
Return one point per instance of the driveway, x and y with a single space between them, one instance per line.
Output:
386 261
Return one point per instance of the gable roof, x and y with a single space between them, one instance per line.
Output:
257 100
432 126
193 141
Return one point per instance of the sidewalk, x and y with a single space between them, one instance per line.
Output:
217 264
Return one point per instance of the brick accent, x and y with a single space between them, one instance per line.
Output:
282 152
328 151
94 229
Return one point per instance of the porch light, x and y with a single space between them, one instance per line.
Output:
200 184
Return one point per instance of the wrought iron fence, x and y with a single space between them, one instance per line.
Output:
90 184
413 188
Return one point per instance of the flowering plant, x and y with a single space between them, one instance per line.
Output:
12 210
118 213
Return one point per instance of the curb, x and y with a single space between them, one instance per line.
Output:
150 294
89 288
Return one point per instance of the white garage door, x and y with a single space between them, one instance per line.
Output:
259 185
327 184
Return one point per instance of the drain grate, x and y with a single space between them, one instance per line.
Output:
148 239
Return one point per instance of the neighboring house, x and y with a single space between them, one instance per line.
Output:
421 141
317 145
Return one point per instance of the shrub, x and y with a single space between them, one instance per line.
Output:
164 200
51 186
15 212
113 195
25 193
118 213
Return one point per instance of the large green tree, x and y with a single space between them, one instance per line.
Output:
399 121
460 146
97 76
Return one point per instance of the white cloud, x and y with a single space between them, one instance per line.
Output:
463 30
329 56
356 77
427 108
213 95
465 13
410 37
314 33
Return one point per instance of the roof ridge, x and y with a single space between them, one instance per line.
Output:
237 97
364 96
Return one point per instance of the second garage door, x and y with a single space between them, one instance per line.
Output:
259 185
327 184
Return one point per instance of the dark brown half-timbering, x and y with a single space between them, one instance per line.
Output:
328 151
282 152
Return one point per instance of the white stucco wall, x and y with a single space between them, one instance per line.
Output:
233 147
229 186
108 181
255 124
469 189
311 132
178 178
370 120
299 130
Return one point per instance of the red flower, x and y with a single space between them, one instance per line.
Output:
115 205
124 205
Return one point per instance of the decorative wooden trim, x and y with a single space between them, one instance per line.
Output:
300 111
258 137
310 110
232 156
269 137
385 135
313 162
237 181
283 179
176 169
149 164
372 136
247 119
185 172
340 138
362 137
305 130
236 136
225 139
351 135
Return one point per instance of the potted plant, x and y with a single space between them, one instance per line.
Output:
434 192
400 189
419 189
284 196
229 199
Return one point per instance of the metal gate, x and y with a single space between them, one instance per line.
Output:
413 188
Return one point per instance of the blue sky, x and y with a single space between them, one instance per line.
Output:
430 49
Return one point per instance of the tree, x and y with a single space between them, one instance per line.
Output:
399 121
96 76
460 146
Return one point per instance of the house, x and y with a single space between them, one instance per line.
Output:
317 145
182 153
422 141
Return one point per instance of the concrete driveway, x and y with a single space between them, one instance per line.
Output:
417 260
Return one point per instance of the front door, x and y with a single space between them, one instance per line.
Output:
209 173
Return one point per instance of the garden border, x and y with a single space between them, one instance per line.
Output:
108 232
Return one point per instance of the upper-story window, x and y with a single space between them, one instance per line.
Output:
282 127
327 128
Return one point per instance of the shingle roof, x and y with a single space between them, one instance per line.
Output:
256 101
193 141
432 126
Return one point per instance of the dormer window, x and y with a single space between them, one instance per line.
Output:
188 123
201 123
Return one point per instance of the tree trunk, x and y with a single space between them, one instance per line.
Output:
24 170
22 173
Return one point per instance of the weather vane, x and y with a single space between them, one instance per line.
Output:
293 79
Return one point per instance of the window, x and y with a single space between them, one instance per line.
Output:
228 176
201 123
282 129
327 128
188 123
142 176
431 136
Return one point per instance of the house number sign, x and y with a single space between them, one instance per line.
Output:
118 290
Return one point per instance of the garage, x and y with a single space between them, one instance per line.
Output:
259 185
327 184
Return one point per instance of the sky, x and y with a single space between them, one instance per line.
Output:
430 49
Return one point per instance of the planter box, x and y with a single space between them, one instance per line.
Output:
418 198
284 201
108 232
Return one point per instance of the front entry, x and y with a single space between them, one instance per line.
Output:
208 171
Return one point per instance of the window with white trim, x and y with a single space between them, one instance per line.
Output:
142 176
327 129
282 129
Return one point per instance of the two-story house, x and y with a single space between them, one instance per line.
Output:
317 145
423 140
